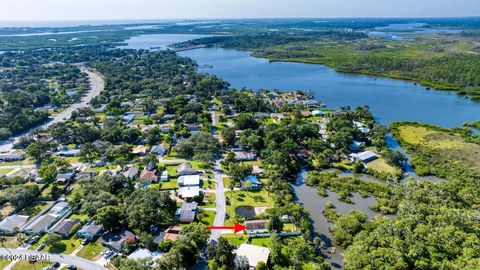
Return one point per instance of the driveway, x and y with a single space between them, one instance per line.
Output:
65 259
96 86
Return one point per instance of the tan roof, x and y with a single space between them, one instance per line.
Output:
254 254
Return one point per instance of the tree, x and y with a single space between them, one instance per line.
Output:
246 121
197 233
144 208
275 224
53 240
109 217
88 153
241 263
39 151
55 192
200 146
20 196
238 172
228 136
221 253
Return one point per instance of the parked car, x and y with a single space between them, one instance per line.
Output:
71 267
41 247
84 242
56 265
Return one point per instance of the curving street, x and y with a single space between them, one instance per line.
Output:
96 86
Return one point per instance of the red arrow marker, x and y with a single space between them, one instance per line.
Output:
236 228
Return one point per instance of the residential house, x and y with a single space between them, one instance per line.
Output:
364 157
11 157
89 231
188 192
172 233
257 170
164 176
193 128
40 225
355 146
189 180
311 103
254 254
188 212
64 178
361 127
279 116
253 180
128 118
8 224
244 156
306 114
158 150
116 240
149 175
68 152
140 150
318 113
186 169
256 226
64 227
84 175
130 172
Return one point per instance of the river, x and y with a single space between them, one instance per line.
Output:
389 100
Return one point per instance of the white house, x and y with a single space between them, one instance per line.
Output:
254 254
188 192
164 176
364 157
189 180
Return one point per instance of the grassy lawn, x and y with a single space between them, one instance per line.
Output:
381 165
66 246
208 184
235 239
11 242
72 159
206 217
5 170
25 265
263 242
201 165
171 184
82 217
209 201
91 251
4 263
34 209
246 198
21 162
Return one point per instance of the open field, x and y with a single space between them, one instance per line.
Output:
436 150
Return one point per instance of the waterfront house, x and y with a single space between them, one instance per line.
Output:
256 226
356 146
318 113
364 157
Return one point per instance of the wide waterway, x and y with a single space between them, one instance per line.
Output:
390 100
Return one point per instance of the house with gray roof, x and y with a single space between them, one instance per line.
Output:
8 224
40 225
64 227
89 231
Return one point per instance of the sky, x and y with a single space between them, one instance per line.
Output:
68 10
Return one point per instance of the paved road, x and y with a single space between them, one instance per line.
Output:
220 205
65 259
96 86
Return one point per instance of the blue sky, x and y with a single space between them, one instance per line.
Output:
53 10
